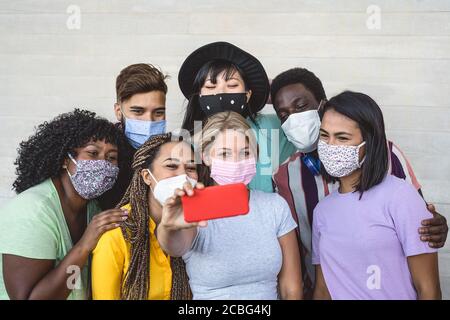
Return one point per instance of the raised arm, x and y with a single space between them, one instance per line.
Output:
174 234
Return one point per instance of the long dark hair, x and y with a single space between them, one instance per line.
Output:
367 114
212 68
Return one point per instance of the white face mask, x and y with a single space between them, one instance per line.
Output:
165 188
339 160
302 130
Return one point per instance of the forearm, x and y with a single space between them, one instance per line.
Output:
424 270
175 242
291 291
321 294
429 293
55 285
320 289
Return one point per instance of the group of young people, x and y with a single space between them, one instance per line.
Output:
335 210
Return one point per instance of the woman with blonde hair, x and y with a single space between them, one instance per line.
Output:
253 256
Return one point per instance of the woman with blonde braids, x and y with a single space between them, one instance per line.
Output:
128 262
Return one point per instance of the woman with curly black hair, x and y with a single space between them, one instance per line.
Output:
49 229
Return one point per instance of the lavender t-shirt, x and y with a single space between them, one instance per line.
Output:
362 245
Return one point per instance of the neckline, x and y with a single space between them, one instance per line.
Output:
61 213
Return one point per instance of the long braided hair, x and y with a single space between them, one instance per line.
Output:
136 283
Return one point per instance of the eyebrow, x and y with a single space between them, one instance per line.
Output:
142 108
91 143
340 133
94 144
295 101
172 159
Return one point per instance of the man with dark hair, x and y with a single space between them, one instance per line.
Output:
297 95
141 102
140 109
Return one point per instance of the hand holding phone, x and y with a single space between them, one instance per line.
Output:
216 202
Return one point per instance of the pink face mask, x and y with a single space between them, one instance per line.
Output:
228 172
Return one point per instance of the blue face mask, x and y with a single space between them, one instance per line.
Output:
139 131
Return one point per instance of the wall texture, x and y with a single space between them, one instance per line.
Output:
57 55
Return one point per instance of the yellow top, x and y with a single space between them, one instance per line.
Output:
110 261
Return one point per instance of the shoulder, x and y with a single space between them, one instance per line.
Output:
112 240
264 196
268 200
268 121
292 160
397 188
37 203
393 183
327 202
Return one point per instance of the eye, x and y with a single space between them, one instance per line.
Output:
160 113
137 111
246 153
172 166
93 153
112 158
300 107
223 154
191 169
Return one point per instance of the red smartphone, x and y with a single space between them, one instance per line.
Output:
216 202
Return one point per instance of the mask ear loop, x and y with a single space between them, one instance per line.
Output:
359 147
73 160
321 104
153 177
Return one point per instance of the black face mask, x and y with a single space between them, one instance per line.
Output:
215 103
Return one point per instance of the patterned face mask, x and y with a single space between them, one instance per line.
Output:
214 103
339 160
93 177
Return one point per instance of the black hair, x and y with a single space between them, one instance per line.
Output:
43 154
367 114
212 68
298 75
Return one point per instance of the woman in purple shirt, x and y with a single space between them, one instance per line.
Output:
365 243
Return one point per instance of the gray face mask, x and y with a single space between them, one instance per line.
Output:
93 177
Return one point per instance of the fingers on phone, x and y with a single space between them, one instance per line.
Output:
199 185
179 193
188 188
203 223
